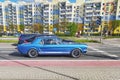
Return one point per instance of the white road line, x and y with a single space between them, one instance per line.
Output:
103 52
116 45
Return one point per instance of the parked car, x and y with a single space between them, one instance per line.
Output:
25 38
51 46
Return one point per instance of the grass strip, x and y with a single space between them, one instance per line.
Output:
8 41
86 41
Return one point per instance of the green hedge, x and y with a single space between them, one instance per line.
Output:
62 34
8 41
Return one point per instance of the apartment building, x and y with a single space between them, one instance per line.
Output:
1 13
38 16
117 30
26 15
47 16
118 11
48 13
80 14
106 9
92 11
8 15
108 12
70 12
51 12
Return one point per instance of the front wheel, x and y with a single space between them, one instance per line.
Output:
76 53
32 53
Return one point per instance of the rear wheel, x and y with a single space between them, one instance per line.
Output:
76 53
32 53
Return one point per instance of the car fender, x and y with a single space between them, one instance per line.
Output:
80 49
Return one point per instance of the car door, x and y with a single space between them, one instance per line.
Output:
51 46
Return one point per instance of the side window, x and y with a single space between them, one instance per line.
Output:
42 42
49 42
53 42
46 41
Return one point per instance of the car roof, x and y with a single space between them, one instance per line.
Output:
43 37
46 37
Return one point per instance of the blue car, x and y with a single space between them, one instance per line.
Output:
48 45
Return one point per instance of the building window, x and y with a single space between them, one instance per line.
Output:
54 6
86 30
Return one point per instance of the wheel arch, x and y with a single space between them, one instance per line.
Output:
33 54
76 48
32 48
78 54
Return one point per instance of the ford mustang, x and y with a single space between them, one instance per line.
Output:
49 45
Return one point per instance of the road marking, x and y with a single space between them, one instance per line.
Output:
116 45
103 52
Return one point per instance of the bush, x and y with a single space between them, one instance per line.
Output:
116 34
62 34
0 34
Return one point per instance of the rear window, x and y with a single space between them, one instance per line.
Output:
25 36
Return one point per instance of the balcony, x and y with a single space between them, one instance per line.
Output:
96 14
62 16
87 19
62 8
46 11
63 13
88 15
86 11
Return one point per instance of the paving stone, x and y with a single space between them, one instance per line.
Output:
59 73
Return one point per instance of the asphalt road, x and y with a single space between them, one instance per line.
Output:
54 68
95 52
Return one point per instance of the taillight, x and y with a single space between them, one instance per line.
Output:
19 38
25 41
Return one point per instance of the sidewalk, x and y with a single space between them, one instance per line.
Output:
47 70
59 73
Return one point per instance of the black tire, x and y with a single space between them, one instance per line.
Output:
32 53
76 53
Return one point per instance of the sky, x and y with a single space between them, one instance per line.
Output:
73 1
31 0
